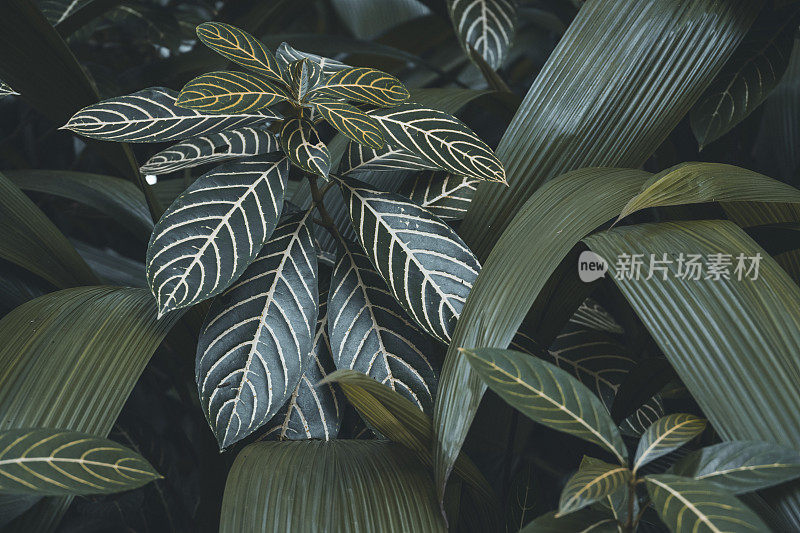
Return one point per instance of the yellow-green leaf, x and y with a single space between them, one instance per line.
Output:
240 47
593 481
351 121
665 435
363 84
229 93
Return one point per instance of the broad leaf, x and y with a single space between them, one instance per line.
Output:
689 505
548 395
667 434
240 47
441 139
230 93
741 466
372 334
305 75
286 55
487 26
583 521
359 158
445 195
351 121
426 265
302 145
363 85
258 335
365 485
151 115
211 148
51 462
748 77
593 481
6 90
214 230
57 11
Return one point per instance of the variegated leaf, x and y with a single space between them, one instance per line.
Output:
359 158
259 333
372 334
441 139
351 121
305 75
741 466
665 435
286 55
314 411
211 148
302 145
487 26
240 47
363 84
151 115
57 11
598 361
547 395
427 266
54 462
446 196
6 90
689 506
214 230
228 92
593 481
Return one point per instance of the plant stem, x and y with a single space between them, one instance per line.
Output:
629 523
325 218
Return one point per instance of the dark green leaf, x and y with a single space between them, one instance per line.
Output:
359 158
229 93
486 26
665 435
258 335
240 47
443 194
305 75
302 145
363 85
286 55
214 230
593 481
583 521
351 121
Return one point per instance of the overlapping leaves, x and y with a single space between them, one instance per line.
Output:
301 144
358 158
667 434
351 121
593 481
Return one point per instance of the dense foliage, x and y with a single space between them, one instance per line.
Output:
325 302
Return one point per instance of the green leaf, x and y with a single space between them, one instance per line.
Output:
151 115
591 315
241 142
547 395
61 463
583 521
689 505
214 230
741 466
258 335
428 268
240 47
445 195
665 435
30 240
363 486
748 77
305 75
485 25
115 197
302 145
359 158
363 84
593 481
229 93
286 55
441 139
351 121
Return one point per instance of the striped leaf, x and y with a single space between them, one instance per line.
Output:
359 158
259 333
591 315
372 334
741 466
667 434
427 266
305 75
212 148
362 84
690 505
441 139
54 462
314 411
6 90
593 481
286 55
240 47
351 121
57 11
302 145
214 230
443 194
150 115
487 26
228 92
548 395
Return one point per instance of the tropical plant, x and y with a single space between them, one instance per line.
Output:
465 265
